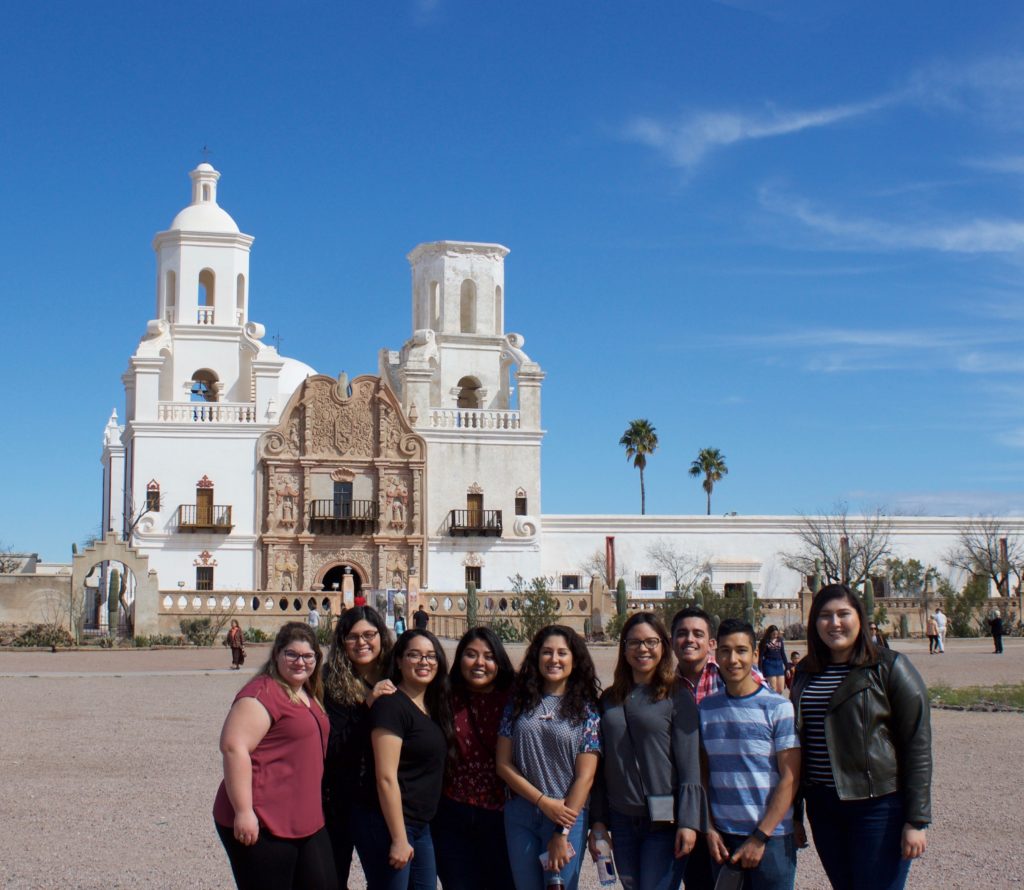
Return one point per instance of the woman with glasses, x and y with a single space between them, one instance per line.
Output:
268 809
549 745
353 680
648 790
411 733
469 829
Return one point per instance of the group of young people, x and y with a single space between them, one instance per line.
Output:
689 764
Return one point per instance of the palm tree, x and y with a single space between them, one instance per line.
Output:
639 440
710 464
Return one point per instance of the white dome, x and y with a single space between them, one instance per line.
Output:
292 375
204 218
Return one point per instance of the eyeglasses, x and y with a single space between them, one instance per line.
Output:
421 657
307 657
367 636
651 643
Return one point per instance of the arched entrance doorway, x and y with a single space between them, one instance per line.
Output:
336 576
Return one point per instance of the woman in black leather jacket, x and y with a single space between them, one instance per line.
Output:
865 734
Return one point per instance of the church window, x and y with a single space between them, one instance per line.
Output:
153 497
474 576
467 308
204 386
206 192
204 577
520 502
170 294
650 582
469 393
435 308
497 310
570 582
240 299
207 281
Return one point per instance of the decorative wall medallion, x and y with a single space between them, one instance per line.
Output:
205 482
205 559
474 489
473 559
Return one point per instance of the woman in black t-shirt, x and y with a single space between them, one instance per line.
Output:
411 733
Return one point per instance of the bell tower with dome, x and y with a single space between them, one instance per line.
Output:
200 390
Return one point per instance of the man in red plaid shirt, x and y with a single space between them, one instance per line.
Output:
694 647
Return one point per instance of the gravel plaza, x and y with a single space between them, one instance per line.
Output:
110 766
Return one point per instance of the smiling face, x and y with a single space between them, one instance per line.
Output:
692 644
362 645
419 662
642 648
735 656
838 625
295 663
479 669
554 662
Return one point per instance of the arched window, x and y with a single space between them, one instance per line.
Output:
498 320
170 294
467 307
435 308
469 393
206 192
204 386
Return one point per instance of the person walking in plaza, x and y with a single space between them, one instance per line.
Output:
693 644
771 658
931 630
313 620
648 790
995 625
268 809
469 828
549 745
420 618
236 642
411 735
865 729
940 629
877 637
353 680
752 757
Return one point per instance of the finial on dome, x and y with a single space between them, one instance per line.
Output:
204 184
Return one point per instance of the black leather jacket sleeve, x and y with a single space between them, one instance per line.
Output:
910 719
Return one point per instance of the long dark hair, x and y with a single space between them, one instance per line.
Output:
296 631
766 638
664 674
506 673
819 656
582 688
438 695
341 680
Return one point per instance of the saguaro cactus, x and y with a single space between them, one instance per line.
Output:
113 600
748 603
869 599
904 626
620 597
471 604
816 578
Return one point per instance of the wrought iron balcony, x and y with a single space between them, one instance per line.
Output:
330 517
474 523
204 518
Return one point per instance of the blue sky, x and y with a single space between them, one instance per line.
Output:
791 231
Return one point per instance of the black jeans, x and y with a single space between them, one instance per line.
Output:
338 814
280 863
469 843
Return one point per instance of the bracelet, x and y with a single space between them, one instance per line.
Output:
540 797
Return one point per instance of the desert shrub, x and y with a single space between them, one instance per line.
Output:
795 631
44 635
255 635
198 631
141 642
614 626
505 630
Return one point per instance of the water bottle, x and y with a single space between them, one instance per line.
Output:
605 866
553 881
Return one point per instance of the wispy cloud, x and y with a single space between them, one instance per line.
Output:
686 141
973 236
1013 164
945 503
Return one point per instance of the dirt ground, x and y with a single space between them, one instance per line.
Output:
109 765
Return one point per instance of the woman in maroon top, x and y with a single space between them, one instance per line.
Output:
268 809
469 829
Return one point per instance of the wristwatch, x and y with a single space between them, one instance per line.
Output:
759 836
920 826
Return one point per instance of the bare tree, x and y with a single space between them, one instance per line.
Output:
133 515
845 549
596 564
685 569
987 548
10 561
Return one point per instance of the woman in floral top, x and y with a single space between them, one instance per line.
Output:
469 828
549 745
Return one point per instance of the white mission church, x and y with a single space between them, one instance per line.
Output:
247 482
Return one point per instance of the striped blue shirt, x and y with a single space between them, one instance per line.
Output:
741 738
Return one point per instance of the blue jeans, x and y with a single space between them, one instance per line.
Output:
469 843
645 856
527 831
777 869
858 841
373 843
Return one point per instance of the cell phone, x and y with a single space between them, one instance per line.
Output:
544 857
730 878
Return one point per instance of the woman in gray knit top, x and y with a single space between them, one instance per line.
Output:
648 791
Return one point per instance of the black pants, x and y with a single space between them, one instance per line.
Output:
998 640
470 848
339 828
277 863
699 875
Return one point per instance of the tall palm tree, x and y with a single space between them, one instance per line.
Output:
710 464
639 440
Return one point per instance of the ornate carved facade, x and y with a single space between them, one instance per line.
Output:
341 483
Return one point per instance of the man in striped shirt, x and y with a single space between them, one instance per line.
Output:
694 648
751 757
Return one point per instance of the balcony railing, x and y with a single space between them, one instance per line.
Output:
472 419
204 518
206 412
474 523
330 517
